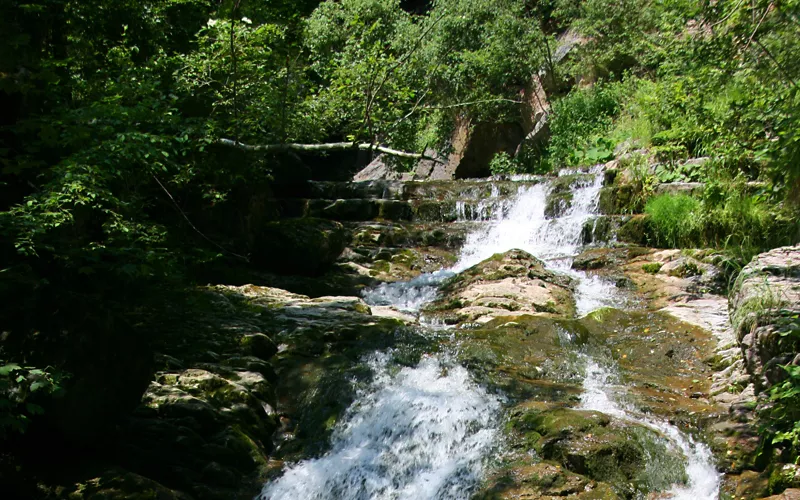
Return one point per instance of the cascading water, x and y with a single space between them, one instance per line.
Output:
424 432
419 434
601 393
517 223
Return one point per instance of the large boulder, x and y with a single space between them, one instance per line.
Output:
633 458
764 305
513 283
305 246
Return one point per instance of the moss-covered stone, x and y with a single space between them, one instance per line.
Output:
514 281
557 204
634 230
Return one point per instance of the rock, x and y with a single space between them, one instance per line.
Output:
616 199
784 476
258 345
508 284
543 481
475 144
591 444
305 246
600 229
597 258
765 297
117 484
675 188
557 204
379 170
791 494
634 230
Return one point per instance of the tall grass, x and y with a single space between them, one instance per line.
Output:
675 220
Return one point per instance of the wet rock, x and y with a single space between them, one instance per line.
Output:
600 229
557 204
512 283
763 302
306 246
543 480
259 345
791 494
597 258
628 456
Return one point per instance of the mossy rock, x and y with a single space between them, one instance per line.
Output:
634 230
305 246
543 480
617 199
557 204
117 484
598 230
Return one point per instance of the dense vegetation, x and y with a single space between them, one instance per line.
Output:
116 190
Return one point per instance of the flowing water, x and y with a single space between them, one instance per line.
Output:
602 392
421 433
424 432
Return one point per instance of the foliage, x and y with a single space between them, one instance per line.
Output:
579 123
782 414
642 182
21 387
674 219
503 164
651 267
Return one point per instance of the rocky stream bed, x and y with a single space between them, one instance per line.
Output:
477 339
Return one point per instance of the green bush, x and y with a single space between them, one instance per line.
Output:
651 267
579 123
503 164
675 220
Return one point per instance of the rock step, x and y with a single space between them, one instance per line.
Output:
369 209
604 229
408 235
477 189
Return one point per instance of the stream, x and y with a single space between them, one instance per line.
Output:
429 431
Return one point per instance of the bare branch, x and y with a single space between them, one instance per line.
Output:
323 147
470 103
188 221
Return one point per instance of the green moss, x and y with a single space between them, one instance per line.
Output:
652 267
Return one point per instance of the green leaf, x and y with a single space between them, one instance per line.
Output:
6 369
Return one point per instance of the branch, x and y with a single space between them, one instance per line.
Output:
330 146
188 221
470 103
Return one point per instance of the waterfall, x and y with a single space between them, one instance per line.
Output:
419 434
517 223
424 432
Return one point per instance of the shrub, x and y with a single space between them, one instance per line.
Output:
651 267
579 123
675 220
503 164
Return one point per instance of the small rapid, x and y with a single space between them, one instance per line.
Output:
419 433
426 432
519 222
602 392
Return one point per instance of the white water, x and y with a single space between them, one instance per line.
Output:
517 223
599 394
422 433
